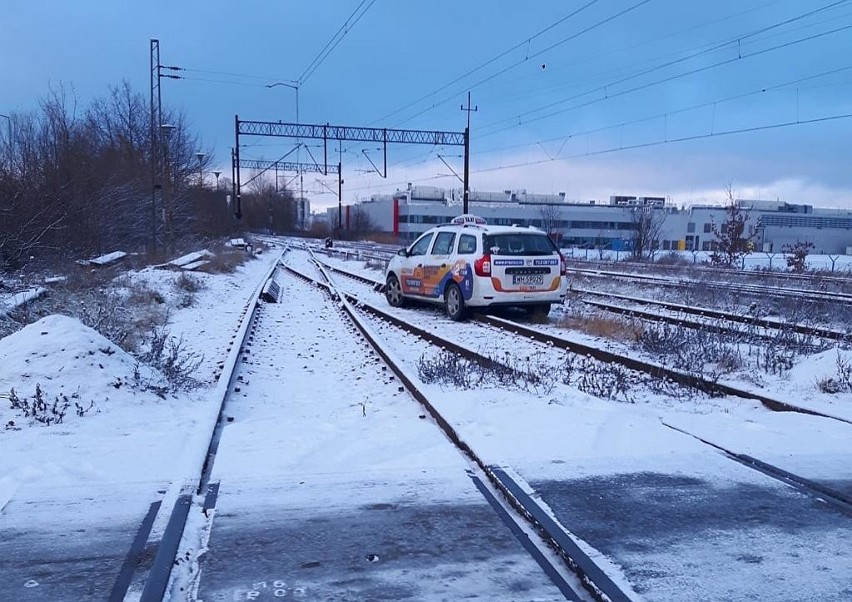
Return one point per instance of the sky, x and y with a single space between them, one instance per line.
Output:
586 97
309 457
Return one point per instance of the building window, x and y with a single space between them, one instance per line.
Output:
708 228
690 227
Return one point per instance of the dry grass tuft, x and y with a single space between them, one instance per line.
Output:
612 329
225 260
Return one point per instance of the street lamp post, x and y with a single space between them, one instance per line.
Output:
8 125
294 85
217 174
200 169
8 136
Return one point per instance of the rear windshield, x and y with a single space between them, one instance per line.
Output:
521 243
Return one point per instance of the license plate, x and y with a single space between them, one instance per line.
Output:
528 279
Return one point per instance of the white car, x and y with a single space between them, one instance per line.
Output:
470 264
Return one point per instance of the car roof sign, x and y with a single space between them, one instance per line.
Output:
468 218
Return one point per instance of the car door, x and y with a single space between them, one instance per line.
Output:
412 271
437 267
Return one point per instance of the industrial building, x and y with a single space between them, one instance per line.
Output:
408 213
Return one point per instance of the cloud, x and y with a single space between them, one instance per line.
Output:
684 175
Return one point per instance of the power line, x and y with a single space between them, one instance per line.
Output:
493 59
421 158
334 41
695 54
608 95
629 147
674 112
243 75
535 54
672 141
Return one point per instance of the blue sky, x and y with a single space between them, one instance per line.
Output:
599 72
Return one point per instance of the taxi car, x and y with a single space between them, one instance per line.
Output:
470 264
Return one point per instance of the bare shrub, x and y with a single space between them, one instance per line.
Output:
446 368
604 380
225 260
41 409
841 382
171 357
604 327
526 374
189 283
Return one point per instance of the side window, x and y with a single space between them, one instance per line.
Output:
422 245
467 244
444 243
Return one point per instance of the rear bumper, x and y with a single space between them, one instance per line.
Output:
484 295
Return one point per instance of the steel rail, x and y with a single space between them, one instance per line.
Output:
157 579
817 490
750 289
603 589
655 370
825 333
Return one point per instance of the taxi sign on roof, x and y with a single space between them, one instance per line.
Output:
469 218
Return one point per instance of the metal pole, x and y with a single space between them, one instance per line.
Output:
9 138
154 132
340 195
238 212
466 168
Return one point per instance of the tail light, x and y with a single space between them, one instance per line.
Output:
563 269
482 266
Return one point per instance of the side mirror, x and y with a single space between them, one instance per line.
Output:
403 252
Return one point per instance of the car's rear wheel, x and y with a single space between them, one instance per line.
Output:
393 292
454 302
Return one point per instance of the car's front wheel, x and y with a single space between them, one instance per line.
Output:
393 292
454 302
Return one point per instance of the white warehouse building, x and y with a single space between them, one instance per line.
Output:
408 213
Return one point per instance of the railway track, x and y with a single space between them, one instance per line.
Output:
819 279
545 546
817 491
813 296
655 370
533 525
751 321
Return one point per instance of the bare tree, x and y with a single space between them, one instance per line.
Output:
733 241
646 224
551 217
359 222
797 254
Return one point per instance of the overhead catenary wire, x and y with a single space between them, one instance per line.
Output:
423 158
611 95
335 40
708 103
605 89
530 56
610 150
492 59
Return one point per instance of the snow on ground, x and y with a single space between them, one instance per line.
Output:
327 462
670 512
797 386
98 474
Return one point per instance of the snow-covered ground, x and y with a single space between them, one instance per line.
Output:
72 495
334 485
